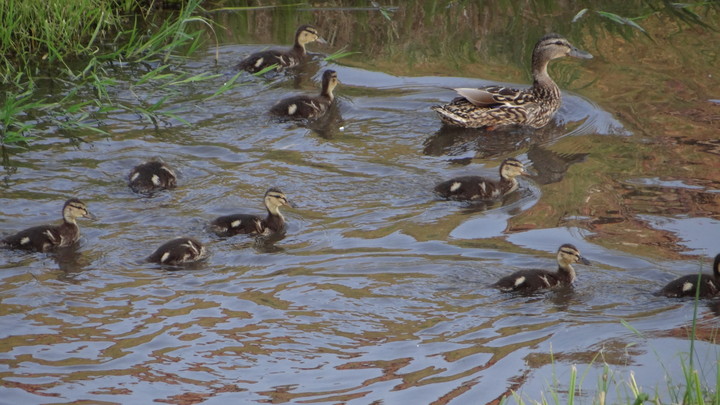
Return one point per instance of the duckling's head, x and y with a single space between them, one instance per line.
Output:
568 255
75 208
306 34
274 199
553 46
511 168
329 82
716 266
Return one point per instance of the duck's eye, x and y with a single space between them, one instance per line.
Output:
559 43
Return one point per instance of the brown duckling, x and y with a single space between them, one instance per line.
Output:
686 286
178 251
302 107
284 59
497 106
152 176
230 225
46 237
532 280
469 188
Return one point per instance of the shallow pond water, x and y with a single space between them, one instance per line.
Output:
378 293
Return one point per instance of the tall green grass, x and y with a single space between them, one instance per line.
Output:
77 42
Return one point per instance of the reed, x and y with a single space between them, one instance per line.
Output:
691 391
63 36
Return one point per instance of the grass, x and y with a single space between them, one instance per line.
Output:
72 31
691 392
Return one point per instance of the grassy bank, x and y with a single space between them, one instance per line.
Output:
74 44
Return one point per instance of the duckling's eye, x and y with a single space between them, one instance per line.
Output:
559 43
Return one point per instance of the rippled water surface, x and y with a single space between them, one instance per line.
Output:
379 292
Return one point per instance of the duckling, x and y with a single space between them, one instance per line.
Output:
284 59
686 286
301 107
151 176
46 237
178 251
497 106
250 224
469 188
533 280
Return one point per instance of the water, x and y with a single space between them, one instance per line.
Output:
379 292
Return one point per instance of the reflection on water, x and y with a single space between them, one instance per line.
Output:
378 292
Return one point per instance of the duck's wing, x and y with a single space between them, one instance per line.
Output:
496 96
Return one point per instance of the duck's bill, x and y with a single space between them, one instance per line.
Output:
576 53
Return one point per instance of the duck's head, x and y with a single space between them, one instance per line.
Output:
329 82
75 208
716 266
511 168
553 46
274 199
568 255
306 34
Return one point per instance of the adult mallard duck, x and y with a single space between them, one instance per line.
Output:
301 107
46 237
468 188
230 225
497 106
284 59
533 280
686 286
178 251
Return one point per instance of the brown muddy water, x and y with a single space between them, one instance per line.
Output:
379 292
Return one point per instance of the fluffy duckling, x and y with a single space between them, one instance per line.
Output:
686 286
151 176
527 281
230 225
469 188
178 251
46 237
284 59
301 107
497 106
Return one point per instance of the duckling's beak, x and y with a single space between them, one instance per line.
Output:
576 53
525 172
290 204
584 261
321 40
89 215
